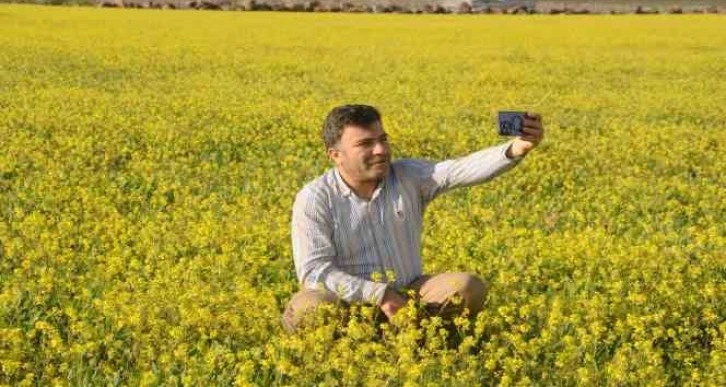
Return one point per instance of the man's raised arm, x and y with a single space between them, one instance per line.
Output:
481 166
475 168
314 252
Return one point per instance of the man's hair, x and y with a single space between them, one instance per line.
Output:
342 116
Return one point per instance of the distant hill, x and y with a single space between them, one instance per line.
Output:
417 6
624 6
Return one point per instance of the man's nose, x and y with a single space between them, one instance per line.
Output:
380 149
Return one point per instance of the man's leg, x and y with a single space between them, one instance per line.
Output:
440 293
303 304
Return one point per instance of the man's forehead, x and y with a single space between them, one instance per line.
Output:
358 132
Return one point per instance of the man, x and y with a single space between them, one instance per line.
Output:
356 230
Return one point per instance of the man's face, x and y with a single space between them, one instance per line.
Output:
363 153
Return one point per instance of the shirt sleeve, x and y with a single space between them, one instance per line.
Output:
314 252
435 178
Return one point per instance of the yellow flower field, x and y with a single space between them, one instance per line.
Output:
149 159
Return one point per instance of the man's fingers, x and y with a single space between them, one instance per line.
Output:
532 131
533 116
532 123
530 138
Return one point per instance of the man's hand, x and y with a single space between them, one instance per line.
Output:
533 133
392 302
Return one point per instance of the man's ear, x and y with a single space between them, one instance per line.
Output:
334 154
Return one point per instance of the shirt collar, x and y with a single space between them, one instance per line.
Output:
346 191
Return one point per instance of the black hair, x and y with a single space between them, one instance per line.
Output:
342 116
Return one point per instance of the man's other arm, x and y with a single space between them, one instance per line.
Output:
314 252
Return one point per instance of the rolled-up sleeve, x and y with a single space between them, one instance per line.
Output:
314 252
435 178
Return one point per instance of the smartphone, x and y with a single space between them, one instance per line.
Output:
511 123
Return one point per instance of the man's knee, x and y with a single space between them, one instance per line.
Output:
455 291
303 304
473 292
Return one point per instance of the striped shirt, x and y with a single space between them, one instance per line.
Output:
356 247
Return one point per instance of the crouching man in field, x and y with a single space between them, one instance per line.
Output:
361 221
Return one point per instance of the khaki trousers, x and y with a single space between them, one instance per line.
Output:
439 294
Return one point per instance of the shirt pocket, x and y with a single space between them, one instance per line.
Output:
399 209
